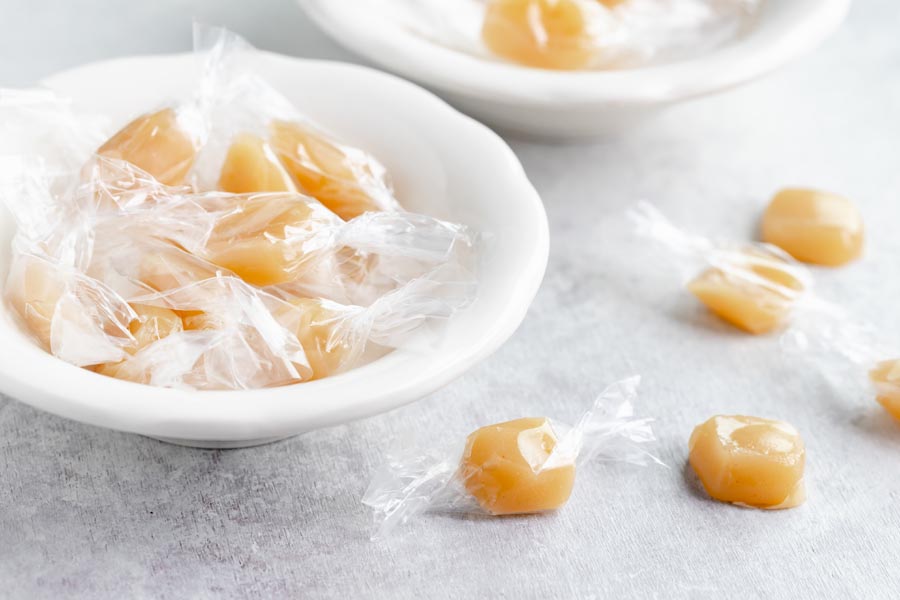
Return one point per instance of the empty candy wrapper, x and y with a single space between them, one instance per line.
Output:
516 467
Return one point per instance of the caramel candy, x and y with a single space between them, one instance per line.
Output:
750 461
755 294
152 324
252 166
34 289
243 357
155 143
886 377
72 316
318 325
261 239
814 227
502 467
172 268
548 34
346 180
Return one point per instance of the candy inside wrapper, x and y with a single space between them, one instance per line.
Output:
223 242
517 467
259 142
575 34
760 289
755 287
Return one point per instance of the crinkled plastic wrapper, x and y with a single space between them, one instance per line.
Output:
760 289
518 467
754 287
222 242
576 34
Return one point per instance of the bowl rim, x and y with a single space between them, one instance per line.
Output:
748 57
41 380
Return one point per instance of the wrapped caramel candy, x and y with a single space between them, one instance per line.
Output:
886 378
754 287
549 34
156 143
515 467
259 142
77 318
186 252
252 166
347 180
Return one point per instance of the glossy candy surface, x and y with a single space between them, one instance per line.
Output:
502 467
262 237
157 143
346 180
548 34
252 166
755 293
815 227
750 461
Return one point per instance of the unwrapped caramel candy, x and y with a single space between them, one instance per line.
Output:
814 227
750 461
503 468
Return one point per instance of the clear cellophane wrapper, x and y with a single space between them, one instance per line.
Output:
628 34
842 347
136 274
415 480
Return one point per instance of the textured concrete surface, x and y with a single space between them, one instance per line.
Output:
97 514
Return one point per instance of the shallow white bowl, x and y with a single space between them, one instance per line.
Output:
576 104
442 162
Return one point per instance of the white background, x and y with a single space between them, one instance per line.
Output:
92 513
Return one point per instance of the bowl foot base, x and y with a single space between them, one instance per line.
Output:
213 444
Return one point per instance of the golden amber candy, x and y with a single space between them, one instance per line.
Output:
886 377
252 166
152 324
172 268
502 467
318 326
34 289
755 295
157 144
549 34
814 227
255 239
750 461
340 178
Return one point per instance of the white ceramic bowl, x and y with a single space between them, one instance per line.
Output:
442 162
576 104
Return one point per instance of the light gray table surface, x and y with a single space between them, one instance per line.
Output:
86 512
